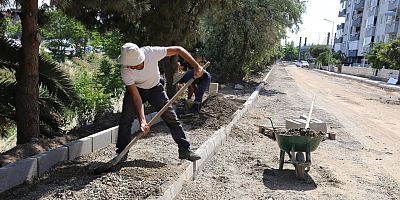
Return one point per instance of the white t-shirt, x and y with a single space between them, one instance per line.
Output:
149 76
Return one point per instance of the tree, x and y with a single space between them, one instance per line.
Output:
26 96
393 54
55 92
324 58
245 35
378 55
62 31
12 29
238 36
340 56
290 52
27 90
153 22
316 50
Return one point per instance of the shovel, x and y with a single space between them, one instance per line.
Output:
108 166
309 114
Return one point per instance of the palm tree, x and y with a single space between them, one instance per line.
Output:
56 90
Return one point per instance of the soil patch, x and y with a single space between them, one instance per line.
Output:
216 111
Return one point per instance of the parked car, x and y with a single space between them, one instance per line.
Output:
304 63
58 46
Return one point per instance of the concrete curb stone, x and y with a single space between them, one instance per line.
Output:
79 147
16 173
48 159
101 139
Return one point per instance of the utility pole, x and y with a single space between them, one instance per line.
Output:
299 53
327 40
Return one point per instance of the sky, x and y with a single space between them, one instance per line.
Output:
314 27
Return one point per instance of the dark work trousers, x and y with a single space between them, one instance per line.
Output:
202 84
157 98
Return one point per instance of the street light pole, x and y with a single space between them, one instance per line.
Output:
332 36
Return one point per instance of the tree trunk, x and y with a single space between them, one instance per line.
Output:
27 107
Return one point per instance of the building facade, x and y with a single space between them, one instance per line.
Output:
366 22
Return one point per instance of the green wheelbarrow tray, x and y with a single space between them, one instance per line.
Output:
300 143
295 145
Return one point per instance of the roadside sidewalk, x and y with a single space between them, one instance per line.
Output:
362 79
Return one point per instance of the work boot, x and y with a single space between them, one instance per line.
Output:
195 107
189 155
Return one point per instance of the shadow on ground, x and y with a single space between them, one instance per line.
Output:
270 93
143 164
286 179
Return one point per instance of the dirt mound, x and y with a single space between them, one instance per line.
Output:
216 111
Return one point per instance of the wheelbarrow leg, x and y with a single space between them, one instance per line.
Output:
308 158
281 159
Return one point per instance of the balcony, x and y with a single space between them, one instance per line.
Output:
359 5
393 5
370 31
352 53
342 13
357 21
340 26
373 11
392 27
354 37
338 40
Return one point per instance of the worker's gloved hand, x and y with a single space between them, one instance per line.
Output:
198 72
144 127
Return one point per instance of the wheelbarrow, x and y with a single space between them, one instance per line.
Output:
295 146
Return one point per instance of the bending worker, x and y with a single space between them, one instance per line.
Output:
141 75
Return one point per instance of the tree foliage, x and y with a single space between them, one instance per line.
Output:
246 35
378 55
62 31
238 36
289 51
56 91
316 50
393 54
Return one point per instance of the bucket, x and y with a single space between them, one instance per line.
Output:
332 136
213 88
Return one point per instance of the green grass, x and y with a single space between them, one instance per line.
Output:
9 142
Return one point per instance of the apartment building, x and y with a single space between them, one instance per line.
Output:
366 22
